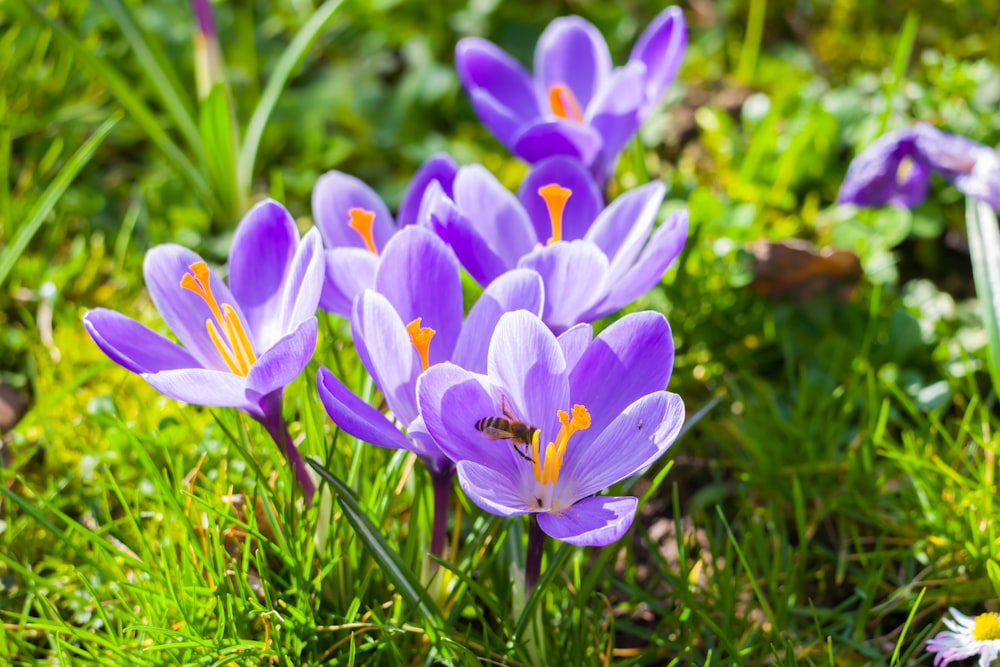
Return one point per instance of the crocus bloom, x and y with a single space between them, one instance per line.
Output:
413 319
966 637
592 261
356 225
576 103
598 411
896 169
241 344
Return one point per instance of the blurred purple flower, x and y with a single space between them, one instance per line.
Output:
593 260
896 169
241 344
356 225
207 54
599 403
576 103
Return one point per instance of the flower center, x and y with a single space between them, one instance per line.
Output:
564 103
227 331
363 222
555 197
987 627
548 473
420 337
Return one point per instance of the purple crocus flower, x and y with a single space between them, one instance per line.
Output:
576 103
356 225
412 320
896 169
591 412
241 344
593 260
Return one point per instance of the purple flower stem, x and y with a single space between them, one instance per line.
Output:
533 557
442 494
272 420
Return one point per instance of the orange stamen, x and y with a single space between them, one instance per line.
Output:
564 103
555 452
232 343
555 197
420 337
363 222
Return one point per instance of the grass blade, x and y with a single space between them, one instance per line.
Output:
289 61
52 194
900 60
984 247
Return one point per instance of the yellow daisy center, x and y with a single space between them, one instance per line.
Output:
987 627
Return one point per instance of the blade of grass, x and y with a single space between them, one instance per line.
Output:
904 47
288 63
984 247
48 200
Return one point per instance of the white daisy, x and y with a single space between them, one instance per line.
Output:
966 637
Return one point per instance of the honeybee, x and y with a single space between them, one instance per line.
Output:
508 428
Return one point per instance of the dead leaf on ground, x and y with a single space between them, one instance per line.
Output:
801 270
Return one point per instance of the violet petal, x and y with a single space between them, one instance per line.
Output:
333 196
592 522
660 48
583 206
355 416
135 346
573 53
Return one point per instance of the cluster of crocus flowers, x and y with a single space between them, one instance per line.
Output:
241 344
575 103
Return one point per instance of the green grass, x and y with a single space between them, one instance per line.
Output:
829 503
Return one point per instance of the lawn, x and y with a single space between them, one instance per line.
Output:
827 499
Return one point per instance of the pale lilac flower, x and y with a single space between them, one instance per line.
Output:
356 226
967 637
241 344
896 169
576 103
596 408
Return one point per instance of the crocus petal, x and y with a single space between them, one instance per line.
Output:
185 312
439 168
615 111
385 350
303 282
574 274
527 362
349 272
623 227
656 257
574 342
515 290
133 345
501 90
355 416
490 489
630 443
333 196
631 358
199 386
474 252
436 461
583 205
972 167
874 177
498 216
538 141
280 364
592 522
452 401
419 275
660 48
572 52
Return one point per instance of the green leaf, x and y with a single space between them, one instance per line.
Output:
48 200
288 63
388 558
984 246
218 132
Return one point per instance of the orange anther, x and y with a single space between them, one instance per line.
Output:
555 197
363 222
564 103
420 337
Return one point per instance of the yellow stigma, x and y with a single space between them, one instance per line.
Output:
987 627
555 452
227 331
420 337
363 222
555 197
564 103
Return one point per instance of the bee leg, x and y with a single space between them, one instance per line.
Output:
517 448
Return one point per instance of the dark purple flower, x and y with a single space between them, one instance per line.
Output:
413 319
589 413
356 225
593 260
576 103
896 169
241 344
